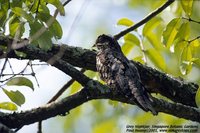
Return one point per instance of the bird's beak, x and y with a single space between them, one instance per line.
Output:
94 47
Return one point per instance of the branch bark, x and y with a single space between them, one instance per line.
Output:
5 129
93 90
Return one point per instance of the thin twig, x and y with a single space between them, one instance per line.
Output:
191 20
66 2
4 65
10 67
13 75
143 21
56 11
42 64
32 5
38 6
198 37
33 73
39 127
27 64
22 74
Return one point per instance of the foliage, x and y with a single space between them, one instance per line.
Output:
43 26
19 16
176 41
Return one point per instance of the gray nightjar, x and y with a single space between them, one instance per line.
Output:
120 74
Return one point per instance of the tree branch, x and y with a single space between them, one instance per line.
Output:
155 81
5 129
143 21
93 90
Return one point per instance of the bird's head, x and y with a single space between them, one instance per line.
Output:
105 41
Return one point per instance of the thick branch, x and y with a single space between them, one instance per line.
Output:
5 129
155 81
143 21
177 90
94 90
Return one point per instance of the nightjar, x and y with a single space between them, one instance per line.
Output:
120 74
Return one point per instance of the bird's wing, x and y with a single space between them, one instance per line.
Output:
138 89
118 74
128 79
125 78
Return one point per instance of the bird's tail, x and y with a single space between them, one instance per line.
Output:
149 102
144 101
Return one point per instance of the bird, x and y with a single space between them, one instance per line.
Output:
120 74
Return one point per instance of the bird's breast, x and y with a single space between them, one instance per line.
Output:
103 66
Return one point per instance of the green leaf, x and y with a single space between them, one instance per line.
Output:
195 43
58 5
156 58
153 39
196 61
187 6
127 47
185 67
197 98
125 22
186 54
16 27
8 106
44 9
20 54
42 39
139 59
53 25
179 46
186 64
20 12
45 41
183 33
33 5
132 38
75 87
15 96
2 18
151 25
4 6
90 74
170 32
16 3
20 81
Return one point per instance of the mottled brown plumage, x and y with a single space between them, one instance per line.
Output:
119 74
